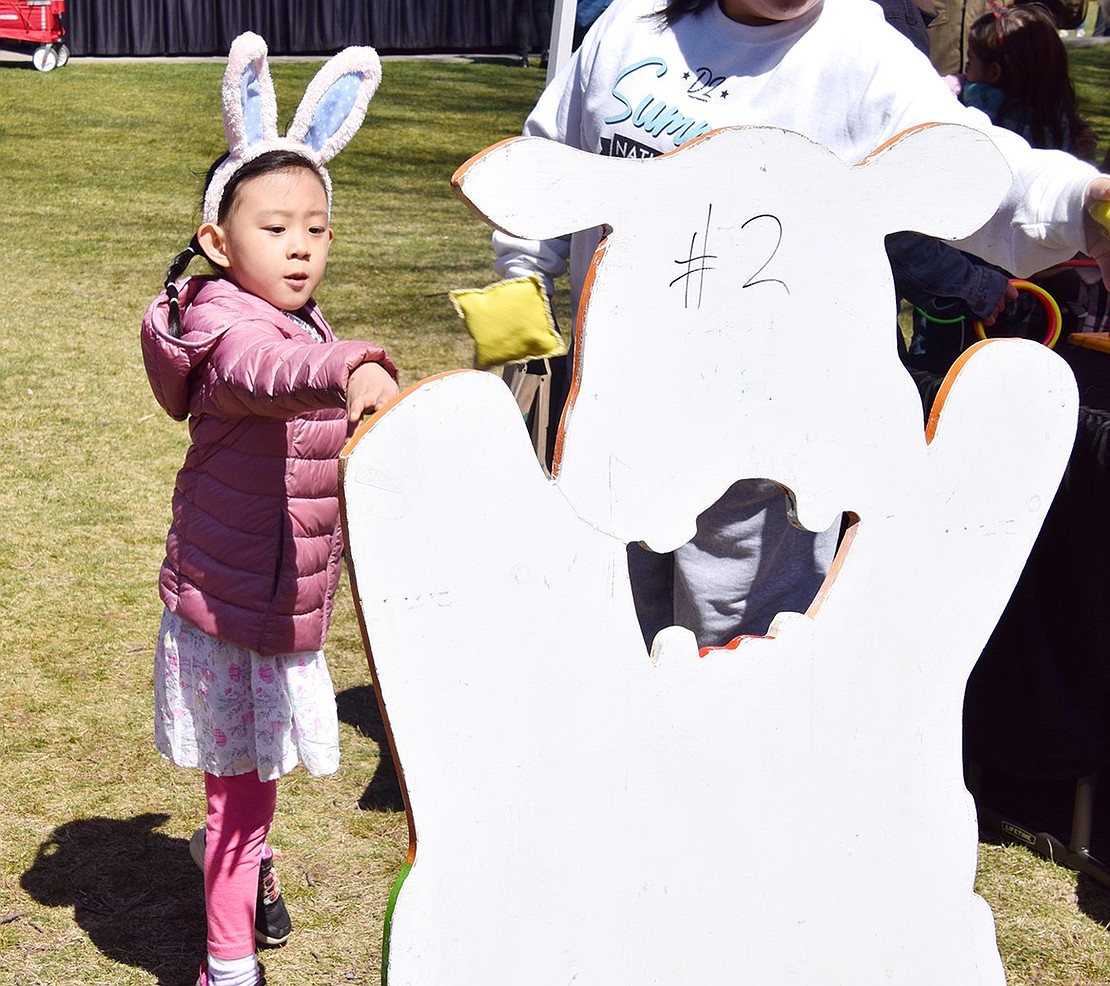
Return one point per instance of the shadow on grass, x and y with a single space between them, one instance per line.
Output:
1093 899
133 890
358 707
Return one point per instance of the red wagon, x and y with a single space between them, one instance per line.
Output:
40 23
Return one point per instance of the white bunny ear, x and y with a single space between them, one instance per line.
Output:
335 102
333 108
250 105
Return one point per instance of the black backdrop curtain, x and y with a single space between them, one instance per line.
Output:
207 27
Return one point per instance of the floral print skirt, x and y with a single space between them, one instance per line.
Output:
227 710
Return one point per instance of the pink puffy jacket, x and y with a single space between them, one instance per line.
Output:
253 551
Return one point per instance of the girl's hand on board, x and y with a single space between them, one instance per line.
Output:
368 388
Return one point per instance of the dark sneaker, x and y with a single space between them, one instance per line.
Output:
196 848
271 919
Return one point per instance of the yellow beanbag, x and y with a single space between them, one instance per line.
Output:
1100 213
510 321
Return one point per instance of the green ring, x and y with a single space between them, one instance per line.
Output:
938 321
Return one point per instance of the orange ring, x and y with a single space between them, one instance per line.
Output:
1048 303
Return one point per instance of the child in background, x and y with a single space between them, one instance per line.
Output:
651 75
242 689
1017 73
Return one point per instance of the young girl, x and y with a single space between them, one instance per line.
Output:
650 76
1017 73
242 689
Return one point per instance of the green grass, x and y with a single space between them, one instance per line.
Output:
1091 75
100 173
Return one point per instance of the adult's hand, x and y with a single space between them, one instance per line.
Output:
1098 233
1008 295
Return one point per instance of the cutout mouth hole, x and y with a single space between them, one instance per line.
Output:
747 564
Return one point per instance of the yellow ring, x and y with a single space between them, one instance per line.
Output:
1052 310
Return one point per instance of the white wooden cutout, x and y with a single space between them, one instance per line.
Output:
786 811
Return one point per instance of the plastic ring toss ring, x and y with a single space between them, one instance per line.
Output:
1048 303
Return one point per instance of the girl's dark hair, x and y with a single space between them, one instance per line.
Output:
176 269
1024 42
674 11
265 164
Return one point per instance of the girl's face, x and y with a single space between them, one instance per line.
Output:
274 242
762 12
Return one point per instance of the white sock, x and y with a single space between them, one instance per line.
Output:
233 972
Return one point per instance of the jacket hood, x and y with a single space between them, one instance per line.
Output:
209 307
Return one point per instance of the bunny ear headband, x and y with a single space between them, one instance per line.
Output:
331 111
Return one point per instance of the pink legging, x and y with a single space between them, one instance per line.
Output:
240 812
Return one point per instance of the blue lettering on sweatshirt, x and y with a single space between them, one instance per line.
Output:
651 114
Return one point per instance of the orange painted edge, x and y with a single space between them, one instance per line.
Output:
901 135
831 575
363 429
731 645
946 385
579 336
459 178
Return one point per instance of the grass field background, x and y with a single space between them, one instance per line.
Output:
100 176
